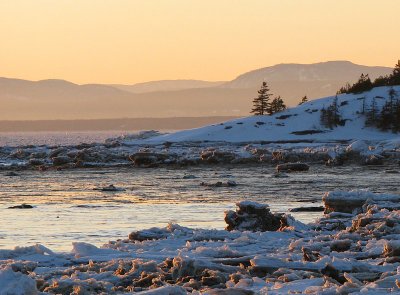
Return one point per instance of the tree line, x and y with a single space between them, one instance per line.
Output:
262 105
364 83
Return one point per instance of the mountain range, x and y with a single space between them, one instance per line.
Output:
59 99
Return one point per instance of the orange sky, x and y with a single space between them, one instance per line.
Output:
129 41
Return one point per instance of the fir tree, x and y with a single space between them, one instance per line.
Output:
277 105
261 103
385 119
372 114
394 78
303 100
396 117
330 117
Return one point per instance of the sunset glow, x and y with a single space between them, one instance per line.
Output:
129 41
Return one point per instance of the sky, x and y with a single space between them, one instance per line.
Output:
131 41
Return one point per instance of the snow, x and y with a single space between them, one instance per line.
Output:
16 283
359 195
179 260
284 125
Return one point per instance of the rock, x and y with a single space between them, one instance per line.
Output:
373 160
279 175
109 188
57 151
190 176
22 206
61 160
229 183
150 234
148 159
19 154
292 167
212 278
253 217
36 162
307 209
216 157
392 249
230 291
340 245
12 173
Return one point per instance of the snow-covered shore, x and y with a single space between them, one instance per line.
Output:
295 134
340 253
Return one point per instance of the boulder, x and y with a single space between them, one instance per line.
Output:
22 206
61 160
292 167
229 183
372 160
148 159
36 162
252 216
215 156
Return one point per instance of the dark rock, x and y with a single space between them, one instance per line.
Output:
230 291
150 234
61 160
340 245
11 173
291 167
57 151
109 188
308 209
215 157
229 183
283 117
307 132
309 255
373 160
36 162
148 159
22 206
253 217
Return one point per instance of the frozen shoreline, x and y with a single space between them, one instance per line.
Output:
340 253
123 152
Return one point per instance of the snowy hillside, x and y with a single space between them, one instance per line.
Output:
301 123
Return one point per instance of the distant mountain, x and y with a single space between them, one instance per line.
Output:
344 71
59 99
293 81
166 85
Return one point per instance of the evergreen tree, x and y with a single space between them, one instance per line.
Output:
330 117
396 117
261 103
394 78
344 89
277 105
385 119
324 118
372 114
303 100
381 81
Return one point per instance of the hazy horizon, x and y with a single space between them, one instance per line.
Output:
129 41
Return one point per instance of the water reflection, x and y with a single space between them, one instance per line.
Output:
67 208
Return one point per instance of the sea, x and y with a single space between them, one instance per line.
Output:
68 205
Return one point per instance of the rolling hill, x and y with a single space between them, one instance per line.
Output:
59 99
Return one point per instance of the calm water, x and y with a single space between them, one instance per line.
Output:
67 208
56 138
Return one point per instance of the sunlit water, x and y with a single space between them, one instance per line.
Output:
56 137
67 208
